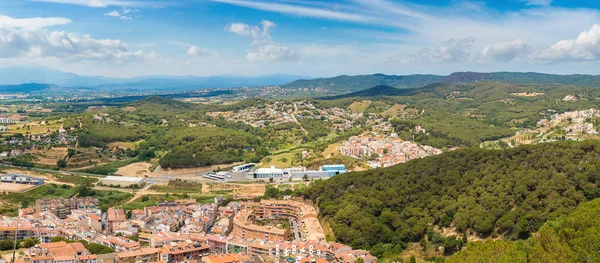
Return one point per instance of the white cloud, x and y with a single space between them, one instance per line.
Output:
32 23
197 52
450 51
113 13
121 15
31 41
505 51
271 52
264 48
538 2
105 3
585 47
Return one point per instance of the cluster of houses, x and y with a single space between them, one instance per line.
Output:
278 112
574 122
8 119
386 151
171 232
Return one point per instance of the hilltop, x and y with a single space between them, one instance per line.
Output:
381 90
346 83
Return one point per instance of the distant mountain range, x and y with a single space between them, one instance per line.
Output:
348 84
40 79
12 77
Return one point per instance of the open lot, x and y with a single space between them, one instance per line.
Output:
14 188
124 145
136 170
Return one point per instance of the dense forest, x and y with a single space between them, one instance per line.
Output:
571 238
203 146
474 191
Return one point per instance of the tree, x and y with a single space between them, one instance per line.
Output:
58 239
145 198
413 259
305 177
61 163
99 249
29 242
6 244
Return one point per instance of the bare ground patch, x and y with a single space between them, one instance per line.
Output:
136 170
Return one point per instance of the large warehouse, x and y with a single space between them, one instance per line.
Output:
123 181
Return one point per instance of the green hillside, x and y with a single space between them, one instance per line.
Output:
573 238
485 192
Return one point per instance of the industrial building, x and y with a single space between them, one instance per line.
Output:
123 181
297 173
243 168
266 173
334 169
21 179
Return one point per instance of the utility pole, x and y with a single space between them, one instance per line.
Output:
16 233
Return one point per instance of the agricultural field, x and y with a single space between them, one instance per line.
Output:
87 157
49 157
34 128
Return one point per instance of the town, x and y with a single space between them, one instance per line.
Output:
385 151
71 230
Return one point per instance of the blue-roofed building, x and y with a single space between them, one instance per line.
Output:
334 169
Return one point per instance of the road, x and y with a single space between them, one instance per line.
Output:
295 229
293 115
50 170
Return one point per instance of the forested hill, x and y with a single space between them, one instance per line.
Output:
25 88
381 90
573 238
344 83
524 78
489 192
348 84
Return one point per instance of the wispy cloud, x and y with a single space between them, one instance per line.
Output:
537 2
125 14
107 3
298 10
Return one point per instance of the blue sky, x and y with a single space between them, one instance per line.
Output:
125 38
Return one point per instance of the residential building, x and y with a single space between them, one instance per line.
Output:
142 255
180 252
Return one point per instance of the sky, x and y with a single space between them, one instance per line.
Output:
317 38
